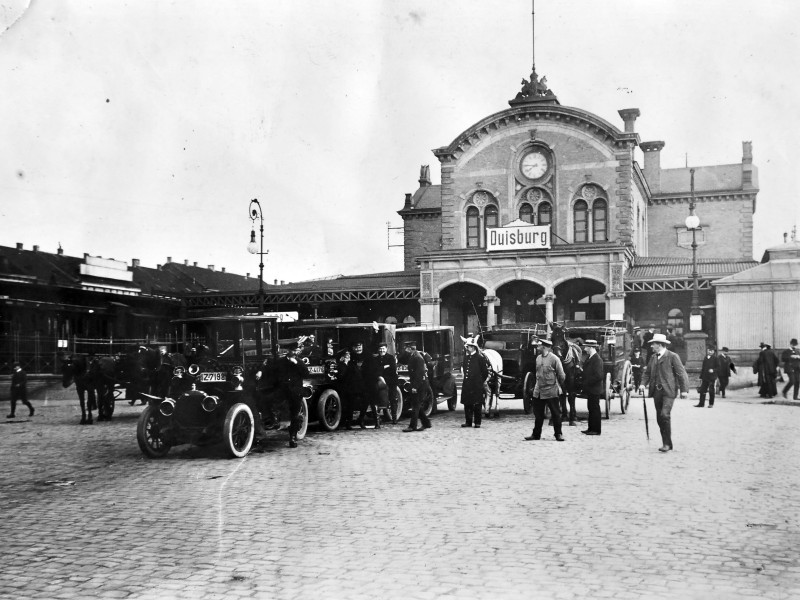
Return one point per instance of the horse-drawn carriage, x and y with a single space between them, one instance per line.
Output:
214 398
437 342
517 345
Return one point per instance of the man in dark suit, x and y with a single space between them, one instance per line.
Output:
593 381
365 382
417 372
791 366
708 378
475 373
387 379
19 390
665 377
725 367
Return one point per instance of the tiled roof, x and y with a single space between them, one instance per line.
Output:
654 268
373 281
427 197
706 179
781 271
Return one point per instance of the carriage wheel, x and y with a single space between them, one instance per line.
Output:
609 394
387 412
148 433
626 386
329 410
238 430
301 432
527 393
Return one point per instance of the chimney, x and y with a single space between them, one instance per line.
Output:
60 250
747 166
158 267
223 269
210 267
247 275
652 164
35 248
135 263
169 259
629 118
185 262
424 176
408 201
19 245
282 282
276 282
195 264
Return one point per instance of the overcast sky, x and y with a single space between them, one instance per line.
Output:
142 129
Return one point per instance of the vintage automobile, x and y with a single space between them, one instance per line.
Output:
326 404
438 343
214 399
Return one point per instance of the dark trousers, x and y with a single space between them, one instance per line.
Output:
723 383
794 380
707 387
416 410
295 402
663 411
568 395
593 401
22 396
473 411
538 413
637 378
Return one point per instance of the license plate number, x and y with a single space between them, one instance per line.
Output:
316 370
209 377
402 369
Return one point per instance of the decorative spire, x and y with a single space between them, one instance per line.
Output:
535 89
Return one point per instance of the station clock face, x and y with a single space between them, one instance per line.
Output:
534 165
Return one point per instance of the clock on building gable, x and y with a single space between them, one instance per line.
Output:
534 165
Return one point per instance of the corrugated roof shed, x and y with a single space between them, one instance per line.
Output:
654 268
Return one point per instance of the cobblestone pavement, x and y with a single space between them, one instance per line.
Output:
446 513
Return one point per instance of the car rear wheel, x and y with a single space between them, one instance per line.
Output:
527 392
387 412
329 410
238 430
428 402
148 433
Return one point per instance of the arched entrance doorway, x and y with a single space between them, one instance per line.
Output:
520 301
463 307
580 300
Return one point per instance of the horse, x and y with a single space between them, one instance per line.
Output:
571 355
75 369
104 374
148 371
492 386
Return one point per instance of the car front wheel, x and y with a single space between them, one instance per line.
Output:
329 410
151 440
238 430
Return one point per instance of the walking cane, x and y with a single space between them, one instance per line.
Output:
646 425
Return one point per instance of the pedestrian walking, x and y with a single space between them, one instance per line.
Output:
766 366
19 390
549 379
637 366
472 389
593 385
791 366
387 379
665 377
708 378
725 367
417 373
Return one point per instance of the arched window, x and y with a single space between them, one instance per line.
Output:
599 230
581 221
544 214
490 219
526 213
473 228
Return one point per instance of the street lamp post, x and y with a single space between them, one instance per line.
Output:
696 338
253 248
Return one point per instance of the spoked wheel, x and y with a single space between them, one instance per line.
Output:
427 402
626 385
527 392
609 393
387 412
329 410
301 432
148 433
238 430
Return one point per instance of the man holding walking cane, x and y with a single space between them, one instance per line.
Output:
665 377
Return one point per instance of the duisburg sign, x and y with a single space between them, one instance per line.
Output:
518 235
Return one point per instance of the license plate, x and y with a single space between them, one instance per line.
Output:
209 377
316 370
402 369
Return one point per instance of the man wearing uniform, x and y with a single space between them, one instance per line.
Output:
549 377
288 376
417 373
387 378
475 374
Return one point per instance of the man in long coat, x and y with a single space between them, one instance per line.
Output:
418 375
725 367
472 389
593 384
708 378
387 379
766 366
549 379
665 378
791 366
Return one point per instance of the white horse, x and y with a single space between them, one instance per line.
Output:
492 386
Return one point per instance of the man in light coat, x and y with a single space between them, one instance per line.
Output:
549 379
665 378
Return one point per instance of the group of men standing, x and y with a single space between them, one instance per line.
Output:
766 367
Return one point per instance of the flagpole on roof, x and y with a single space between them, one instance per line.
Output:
533 34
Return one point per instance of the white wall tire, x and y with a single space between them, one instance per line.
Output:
238 430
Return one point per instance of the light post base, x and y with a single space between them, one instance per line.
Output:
695 349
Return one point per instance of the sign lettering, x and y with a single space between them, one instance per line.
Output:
518 237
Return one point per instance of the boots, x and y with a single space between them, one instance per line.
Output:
292 440
377 417
702 402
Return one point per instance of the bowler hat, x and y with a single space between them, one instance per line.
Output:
660 338
725 349
793 342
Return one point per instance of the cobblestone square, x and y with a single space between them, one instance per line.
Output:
447 513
